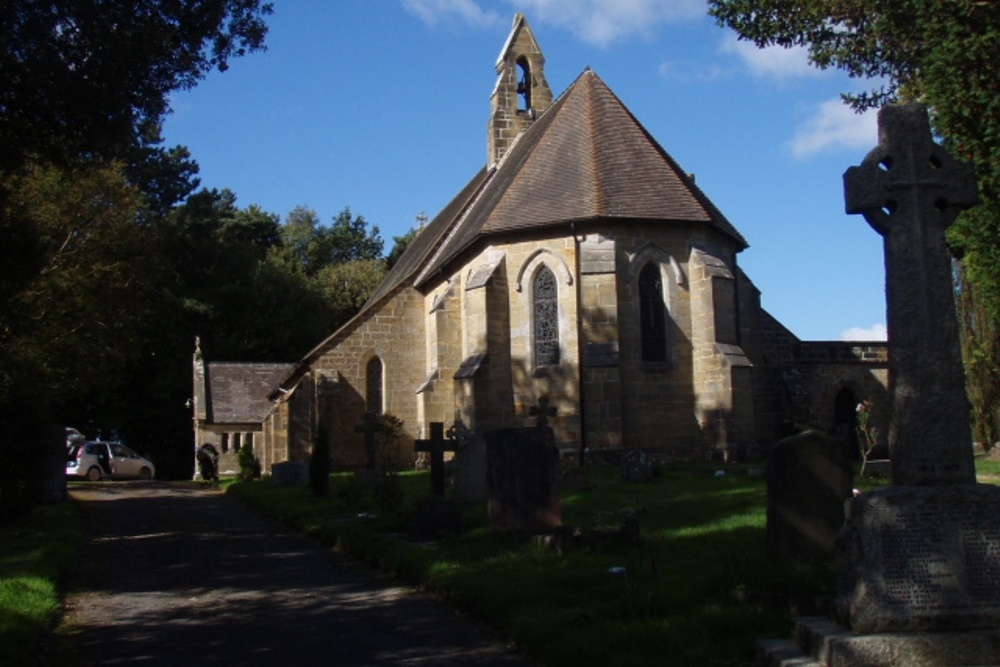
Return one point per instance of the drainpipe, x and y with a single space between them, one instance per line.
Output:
579 344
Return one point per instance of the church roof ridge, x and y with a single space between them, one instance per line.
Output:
586 158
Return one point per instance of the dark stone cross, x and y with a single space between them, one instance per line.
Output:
543 411
368 428
910 190
437 445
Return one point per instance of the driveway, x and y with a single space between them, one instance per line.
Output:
179 574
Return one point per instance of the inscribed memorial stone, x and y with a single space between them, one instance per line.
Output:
523 480
910 189
924 554
808 481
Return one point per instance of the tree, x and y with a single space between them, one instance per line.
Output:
399 246
70 324
941 53
86 77
351 240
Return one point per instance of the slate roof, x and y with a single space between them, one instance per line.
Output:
584 159
237 392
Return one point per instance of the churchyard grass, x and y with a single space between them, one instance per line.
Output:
695 589
35 554
706 535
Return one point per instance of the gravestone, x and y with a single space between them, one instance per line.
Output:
910 559
910 190
367 427
919 561
808 481
542 411
523 480
436 446
636 467
470 462
289 473
436 516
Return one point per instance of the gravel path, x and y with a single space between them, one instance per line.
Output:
179 574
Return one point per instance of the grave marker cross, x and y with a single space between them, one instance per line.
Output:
368 428
910 190
543 411
437 446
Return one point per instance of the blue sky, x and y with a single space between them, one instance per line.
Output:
381 106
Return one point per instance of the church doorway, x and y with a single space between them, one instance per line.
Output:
845 411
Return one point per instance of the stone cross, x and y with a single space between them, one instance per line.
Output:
543 411
437 446
368 428
910 190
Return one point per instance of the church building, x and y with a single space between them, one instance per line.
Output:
581 268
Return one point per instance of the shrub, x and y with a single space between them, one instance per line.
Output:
249 463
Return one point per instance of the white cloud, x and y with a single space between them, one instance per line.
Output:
835 126
771 61
876 332
599 22
432 12
602 22
692 72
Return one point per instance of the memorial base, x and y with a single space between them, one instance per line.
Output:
820 642
916 559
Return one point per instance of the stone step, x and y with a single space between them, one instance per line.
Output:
820 642
782 653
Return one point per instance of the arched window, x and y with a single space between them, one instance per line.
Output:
652 314
545 305
524 85
373 386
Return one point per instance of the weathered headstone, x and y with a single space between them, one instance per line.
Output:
289 473
636 467
436 446
470 461
523 480
923 555
808 481
367 427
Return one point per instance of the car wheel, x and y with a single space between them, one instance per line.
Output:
145 474
94 474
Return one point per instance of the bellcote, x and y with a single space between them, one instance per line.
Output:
521 92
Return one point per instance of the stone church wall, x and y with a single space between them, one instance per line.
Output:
395 334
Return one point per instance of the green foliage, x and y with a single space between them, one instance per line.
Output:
311 246
399 246
86 78
34 556
941 53
71 322
689 591
249 463
319 463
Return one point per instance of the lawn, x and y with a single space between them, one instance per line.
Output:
35 555
695 589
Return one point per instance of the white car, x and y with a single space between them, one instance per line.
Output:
96 460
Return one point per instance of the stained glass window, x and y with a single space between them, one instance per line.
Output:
373 397
545 301
652 314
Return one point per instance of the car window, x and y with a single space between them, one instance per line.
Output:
120 451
